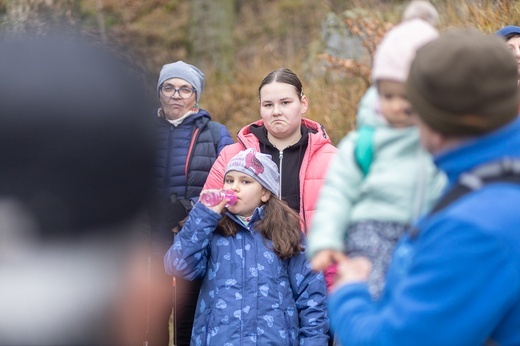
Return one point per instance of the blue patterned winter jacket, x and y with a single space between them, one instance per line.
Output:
249 295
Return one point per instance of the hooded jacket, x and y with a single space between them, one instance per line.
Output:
310 175
458 281
249 296
402 183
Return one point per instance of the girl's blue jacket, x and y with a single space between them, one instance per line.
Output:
249 295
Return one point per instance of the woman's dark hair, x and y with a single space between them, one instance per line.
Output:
283 75
281 225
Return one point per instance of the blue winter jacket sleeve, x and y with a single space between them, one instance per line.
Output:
309 290
452 285
188 256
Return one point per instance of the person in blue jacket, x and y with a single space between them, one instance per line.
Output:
188 144
258 287
455 278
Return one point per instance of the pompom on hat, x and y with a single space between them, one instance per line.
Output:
397 49
465 83
422 9
182 70
258 166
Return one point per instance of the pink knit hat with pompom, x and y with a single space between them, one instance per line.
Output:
395 53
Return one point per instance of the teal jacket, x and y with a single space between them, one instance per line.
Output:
401 185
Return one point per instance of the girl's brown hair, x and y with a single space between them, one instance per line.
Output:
281 225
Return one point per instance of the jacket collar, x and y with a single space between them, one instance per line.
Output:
258 214
504 142
317 134
189 120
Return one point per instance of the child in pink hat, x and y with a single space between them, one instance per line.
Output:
381 180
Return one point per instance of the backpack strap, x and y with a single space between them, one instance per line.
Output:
503 171
364 149
199 124
215 133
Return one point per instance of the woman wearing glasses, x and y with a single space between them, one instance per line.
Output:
188 144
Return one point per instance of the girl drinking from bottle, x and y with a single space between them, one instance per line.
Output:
258 288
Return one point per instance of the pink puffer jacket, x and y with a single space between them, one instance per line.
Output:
312 171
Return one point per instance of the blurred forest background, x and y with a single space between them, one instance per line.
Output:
328 43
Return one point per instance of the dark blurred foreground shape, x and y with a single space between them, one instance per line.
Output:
76 155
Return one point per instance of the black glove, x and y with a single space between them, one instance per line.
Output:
175 212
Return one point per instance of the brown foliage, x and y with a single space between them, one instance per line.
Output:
485 15
271 34
371 32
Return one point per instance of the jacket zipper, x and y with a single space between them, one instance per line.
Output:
243 287
302 182
280 177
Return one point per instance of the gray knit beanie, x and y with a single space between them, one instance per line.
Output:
185 71
258 166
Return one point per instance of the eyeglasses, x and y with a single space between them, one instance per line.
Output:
169 90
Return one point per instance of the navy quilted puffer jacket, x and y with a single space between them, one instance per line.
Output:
184 157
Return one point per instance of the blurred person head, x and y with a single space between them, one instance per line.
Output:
462 85
391 66
511 35
76 170
282 105
421 9
179 88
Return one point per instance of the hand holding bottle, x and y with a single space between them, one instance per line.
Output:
212 197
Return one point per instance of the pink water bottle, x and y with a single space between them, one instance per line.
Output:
211 198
